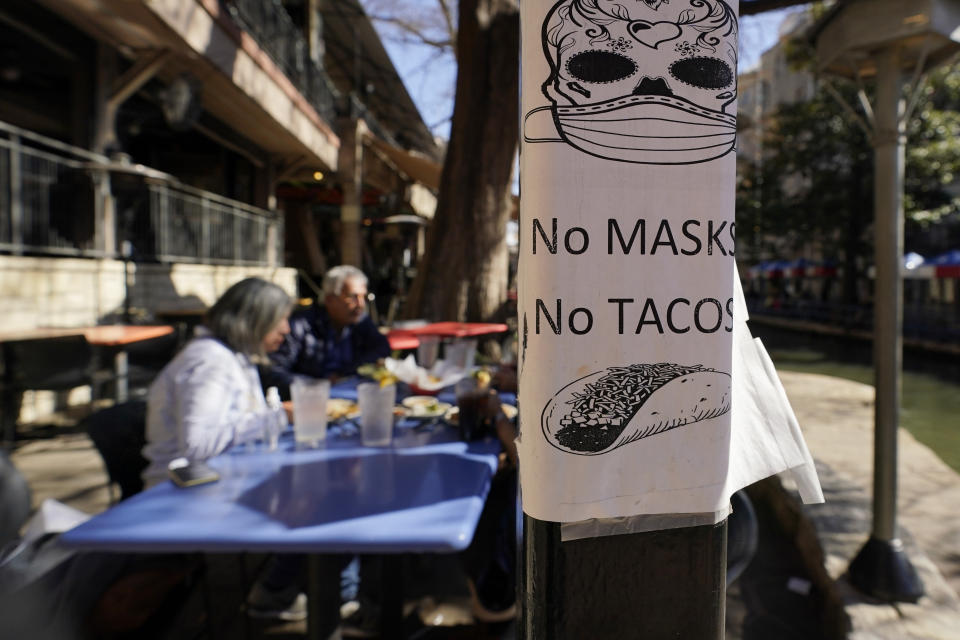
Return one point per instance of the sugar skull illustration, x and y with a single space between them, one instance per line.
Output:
642 81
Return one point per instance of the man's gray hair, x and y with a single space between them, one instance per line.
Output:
246 313
334 279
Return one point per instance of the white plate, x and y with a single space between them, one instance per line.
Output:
424 407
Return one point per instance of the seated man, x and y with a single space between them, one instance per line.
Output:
325 341
331 340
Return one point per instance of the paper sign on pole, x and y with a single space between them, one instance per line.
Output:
626 256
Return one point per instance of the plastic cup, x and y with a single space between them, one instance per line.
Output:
376 413
427 351
309 397
461 353
474 404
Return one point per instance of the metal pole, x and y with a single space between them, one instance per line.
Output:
881 568
888 294
16 195
657 585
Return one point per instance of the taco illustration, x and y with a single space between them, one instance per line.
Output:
619 405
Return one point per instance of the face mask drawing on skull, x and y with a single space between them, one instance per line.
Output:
650 83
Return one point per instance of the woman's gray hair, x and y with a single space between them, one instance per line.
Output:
334 278
246 313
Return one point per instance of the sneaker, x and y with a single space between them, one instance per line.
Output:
489 611
359 621
286 604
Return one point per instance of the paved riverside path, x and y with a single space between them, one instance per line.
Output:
837 420
836 417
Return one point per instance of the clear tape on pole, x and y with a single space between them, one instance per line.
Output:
597 527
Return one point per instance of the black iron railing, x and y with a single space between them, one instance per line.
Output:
927 320
273 29
46 195
277 34
54 200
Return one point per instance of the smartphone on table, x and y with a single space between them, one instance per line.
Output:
186 473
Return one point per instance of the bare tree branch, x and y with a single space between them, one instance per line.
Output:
450 22
440 122
427 33
415 30
433 26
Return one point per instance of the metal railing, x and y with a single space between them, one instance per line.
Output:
273 29
196 226
922 320
40 180
55 199
275 32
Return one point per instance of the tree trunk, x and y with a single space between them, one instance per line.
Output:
463 273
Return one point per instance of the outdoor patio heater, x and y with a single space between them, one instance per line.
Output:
894 43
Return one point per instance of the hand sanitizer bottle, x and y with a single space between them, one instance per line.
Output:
279 422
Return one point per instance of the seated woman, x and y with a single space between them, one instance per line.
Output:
209 396
206 399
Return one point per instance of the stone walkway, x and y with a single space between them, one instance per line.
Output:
837 420
66 468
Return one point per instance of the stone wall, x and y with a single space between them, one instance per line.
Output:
71 292
75 292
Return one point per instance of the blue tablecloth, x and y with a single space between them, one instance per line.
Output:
423 493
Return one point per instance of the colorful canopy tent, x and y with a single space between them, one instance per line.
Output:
946 265
913 265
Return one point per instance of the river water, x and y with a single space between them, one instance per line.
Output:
930 405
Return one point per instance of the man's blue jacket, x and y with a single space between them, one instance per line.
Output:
314 348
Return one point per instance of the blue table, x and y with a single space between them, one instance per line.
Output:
424 493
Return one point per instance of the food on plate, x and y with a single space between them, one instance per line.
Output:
483 377
424 406
338 408
377 372
433 385
608 409
366 370
424 381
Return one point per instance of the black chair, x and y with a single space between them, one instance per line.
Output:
49 364
14 500
119 434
